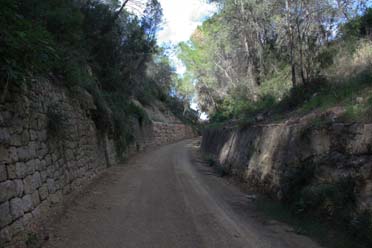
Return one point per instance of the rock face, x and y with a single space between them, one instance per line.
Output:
163 128
264 155
50 147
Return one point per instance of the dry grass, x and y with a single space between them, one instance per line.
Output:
350 62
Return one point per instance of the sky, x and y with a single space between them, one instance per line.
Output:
182 17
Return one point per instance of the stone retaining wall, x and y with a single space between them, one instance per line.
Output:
39 165
165 133
159 133
50 147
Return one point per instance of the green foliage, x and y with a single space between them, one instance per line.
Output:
39 38
188 116
211 162
332 200
199 56
295 179
219 169
102 116
341 93
362 227
327 234
139 113
121 114
26 47
309 204
240 108
75 71
358 27
300 95
277 84
352 93
33 241
145 96
56 119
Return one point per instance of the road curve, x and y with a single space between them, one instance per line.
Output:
167 198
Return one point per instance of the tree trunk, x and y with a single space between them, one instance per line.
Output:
300 39
291 42
108 27
117 14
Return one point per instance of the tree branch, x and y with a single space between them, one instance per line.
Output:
107 28
117 14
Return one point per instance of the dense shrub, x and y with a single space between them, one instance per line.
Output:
56 120
361 227
359 27
26 47
294 180
332 202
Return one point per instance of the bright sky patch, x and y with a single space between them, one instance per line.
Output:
181 17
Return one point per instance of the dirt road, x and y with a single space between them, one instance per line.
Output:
166 198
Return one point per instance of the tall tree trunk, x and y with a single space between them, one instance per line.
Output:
293 68
108 27
291 41
117 14
300 45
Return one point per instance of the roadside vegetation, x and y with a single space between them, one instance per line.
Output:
325 233
324 210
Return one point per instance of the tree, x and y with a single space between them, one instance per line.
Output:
309 25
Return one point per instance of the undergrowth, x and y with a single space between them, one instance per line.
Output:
321 209
219 169
328 234
33 241
345 82
56 120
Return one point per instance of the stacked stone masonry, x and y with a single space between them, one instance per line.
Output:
165 133
40 167
158 133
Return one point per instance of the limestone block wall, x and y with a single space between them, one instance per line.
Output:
40 165
159 133
165 133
